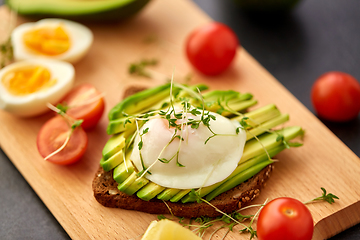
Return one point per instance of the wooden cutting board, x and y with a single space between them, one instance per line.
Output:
323 161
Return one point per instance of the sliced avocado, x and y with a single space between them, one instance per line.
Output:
240 106
99 11
168 193
164 103
132 184
139 101
266 125
239 178
113 145
188 91
218 99
120 125
112 162
148 99
123 171
149 191
260 115
179 195
255 147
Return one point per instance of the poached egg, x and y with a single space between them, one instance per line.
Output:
199 160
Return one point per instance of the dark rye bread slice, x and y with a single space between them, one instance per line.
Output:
107 194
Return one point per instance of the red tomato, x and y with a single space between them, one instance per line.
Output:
211 48
285 219
53 134
336 96
85 102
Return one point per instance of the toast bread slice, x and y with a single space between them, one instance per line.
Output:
106 193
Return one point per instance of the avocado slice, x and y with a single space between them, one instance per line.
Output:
139 101
96 10
113 145
123 170
112 162
132 184
168 193
149 191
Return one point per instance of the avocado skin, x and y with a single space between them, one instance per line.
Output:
119 13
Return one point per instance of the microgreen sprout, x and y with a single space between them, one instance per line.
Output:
229 217
244 124
6 48
6 53
63 108
72 123
280 138
140 145
176 155
328 197
76 124
190 91
139 68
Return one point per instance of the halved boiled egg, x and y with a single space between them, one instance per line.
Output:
199 160
27 86
52 38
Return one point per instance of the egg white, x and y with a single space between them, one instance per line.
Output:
35 103
205 164
80 36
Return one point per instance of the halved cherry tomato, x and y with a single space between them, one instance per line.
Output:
285 219
212 48
53 134
336 96
85 102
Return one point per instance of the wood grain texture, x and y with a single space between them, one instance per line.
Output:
323 161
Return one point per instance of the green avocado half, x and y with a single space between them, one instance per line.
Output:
81 10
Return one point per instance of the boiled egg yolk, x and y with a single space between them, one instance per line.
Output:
48 40
27 80
27 86
51 38
199 160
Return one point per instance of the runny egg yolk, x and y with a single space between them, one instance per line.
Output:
48 40
27 80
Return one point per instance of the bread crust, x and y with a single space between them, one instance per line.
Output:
107 194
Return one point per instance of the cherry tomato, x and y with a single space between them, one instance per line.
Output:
336 96
85 102
285 219
212 48
53 134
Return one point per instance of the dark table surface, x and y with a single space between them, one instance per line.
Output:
316 37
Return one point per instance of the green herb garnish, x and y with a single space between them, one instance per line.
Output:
139 68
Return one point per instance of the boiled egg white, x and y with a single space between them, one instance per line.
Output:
203 164
27 86
51 38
